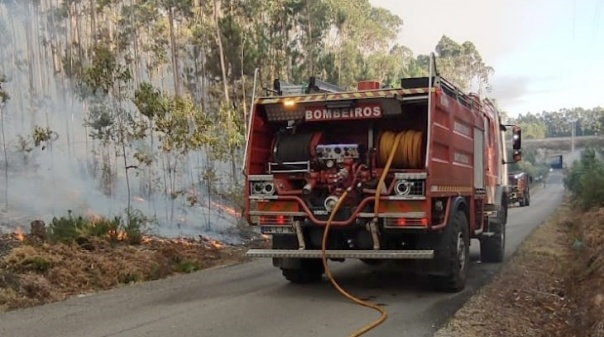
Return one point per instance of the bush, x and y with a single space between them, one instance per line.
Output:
585 179
69 229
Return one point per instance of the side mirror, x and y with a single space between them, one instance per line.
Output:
517 138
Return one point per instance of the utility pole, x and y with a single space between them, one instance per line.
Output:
572 135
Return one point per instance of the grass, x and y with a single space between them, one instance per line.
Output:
554 285
77 254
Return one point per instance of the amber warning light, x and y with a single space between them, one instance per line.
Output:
323 113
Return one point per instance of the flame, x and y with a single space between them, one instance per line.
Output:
228 210
19 235
119 235
216 244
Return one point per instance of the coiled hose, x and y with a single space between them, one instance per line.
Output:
410 153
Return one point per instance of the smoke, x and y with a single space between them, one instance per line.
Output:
512 91
63 174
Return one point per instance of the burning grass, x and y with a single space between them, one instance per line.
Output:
80 254
553 286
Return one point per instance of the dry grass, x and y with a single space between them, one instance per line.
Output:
34 273
587 281
553 286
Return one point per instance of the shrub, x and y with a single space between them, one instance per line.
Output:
585 179
130 227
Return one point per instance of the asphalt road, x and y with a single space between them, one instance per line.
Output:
253 300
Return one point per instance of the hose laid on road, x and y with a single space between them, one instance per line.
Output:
396 142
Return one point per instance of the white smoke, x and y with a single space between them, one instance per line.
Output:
44 183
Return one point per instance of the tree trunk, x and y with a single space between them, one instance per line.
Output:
175 70
226 90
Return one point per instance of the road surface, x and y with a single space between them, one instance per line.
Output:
253 300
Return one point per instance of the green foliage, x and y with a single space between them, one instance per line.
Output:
589 122
460 63
71 229
4 96
104 73
127 60
43 136
187 266
530 164
585 179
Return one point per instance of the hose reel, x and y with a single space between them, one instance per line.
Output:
295 147
409 153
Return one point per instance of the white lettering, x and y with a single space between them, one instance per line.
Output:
462 158
377 111
317 114
363 112
462 128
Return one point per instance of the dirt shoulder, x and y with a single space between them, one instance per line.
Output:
552 286
35 270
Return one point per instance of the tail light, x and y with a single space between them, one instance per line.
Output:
405 222
276 220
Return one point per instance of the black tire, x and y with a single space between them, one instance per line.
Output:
492 248
521 202
300 271
371 262
455 251
310 271
527 201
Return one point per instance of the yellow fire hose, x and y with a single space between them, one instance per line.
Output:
410 155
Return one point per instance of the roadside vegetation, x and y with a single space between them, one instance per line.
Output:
554 284
78 254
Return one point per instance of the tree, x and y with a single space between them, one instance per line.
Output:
460 64
4 97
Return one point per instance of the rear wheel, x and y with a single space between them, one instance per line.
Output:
300 271
528 198
310 271
372 262
455 252
492 248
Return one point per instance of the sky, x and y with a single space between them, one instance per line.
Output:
547 54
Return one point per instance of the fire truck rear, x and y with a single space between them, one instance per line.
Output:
520 191
409 173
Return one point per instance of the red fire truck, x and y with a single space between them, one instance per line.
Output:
409 173
520 188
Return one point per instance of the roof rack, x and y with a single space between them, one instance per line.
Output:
282 88
317 86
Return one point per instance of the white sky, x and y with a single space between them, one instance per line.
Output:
547 54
